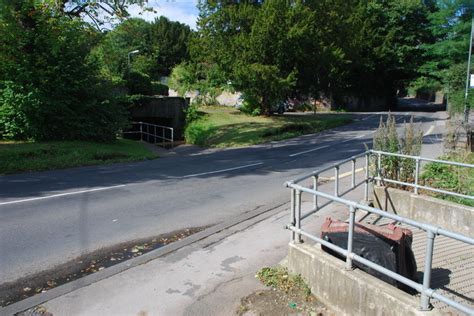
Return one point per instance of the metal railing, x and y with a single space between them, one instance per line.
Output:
152 132
418 160
432 231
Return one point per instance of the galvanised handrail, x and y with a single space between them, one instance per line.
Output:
432 231
416 185
146 131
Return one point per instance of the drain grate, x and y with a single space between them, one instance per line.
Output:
453 265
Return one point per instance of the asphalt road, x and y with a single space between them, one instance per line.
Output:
49 218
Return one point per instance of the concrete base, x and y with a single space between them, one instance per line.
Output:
349 292
448 215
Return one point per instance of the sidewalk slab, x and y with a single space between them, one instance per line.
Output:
205 278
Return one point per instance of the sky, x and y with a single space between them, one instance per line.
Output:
183 11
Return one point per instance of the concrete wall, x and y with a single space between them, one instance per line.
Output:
167 111
448 215
349 292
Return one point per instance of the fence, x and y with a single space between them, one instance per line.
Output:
297 217
152 132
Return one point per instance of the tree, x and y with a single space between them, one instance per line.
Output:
332 47
50 88
102 15
445 55
162 44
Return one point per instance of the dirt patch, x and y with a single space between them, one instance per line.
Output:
87 264
289 295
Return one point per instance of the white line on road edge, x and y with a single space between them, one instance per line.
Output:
222 170
62 194
429 130
308 151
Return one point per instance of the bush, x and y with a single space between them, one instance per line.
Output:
250 106
16 109
138 83
159 89
51 88
387 139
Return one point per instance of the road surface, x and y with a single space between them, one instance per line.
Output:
48 218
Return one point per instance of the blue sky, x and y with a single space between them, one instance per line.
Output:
184 11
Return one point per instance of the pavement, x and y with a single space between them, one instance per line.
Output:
208 277
51 217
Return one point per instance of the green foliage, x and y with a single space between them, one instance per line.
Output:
451 178
162 44
387 139
192 113
159 89
51 88
138 83
272 49
17 110
445 53
250 106
281 279
22 157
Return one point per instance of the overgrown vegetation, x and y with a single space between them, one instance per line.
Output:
386 138
225 127
24 156
451 178
281 279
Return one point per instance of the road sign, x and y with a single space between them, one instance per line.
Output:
472 81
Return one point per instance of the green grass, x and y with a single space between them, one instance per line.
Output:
451 178
29 156
226 127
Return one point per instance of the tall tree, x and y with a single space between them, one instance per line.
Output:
162 44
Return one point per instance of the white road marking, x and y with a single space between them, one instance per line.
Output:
430 130
222 170
62 194
308 151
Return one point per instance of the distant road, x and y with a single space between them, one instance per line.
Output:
48 218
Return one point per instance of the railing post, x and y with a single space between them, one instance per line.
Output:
379 166
336 179
147 133
172 138
163 136
350 239
292 215
417 174
154 135
425 299
298 214
366 185
353 173
315 188
141 131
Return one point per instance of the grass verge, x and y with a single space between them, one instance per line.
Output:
227 127
29 156
451 178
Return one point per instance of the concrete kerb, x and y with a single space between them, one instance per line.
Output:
249 218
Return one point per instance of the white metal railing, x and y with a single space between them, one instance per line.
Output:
152 132
432 231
